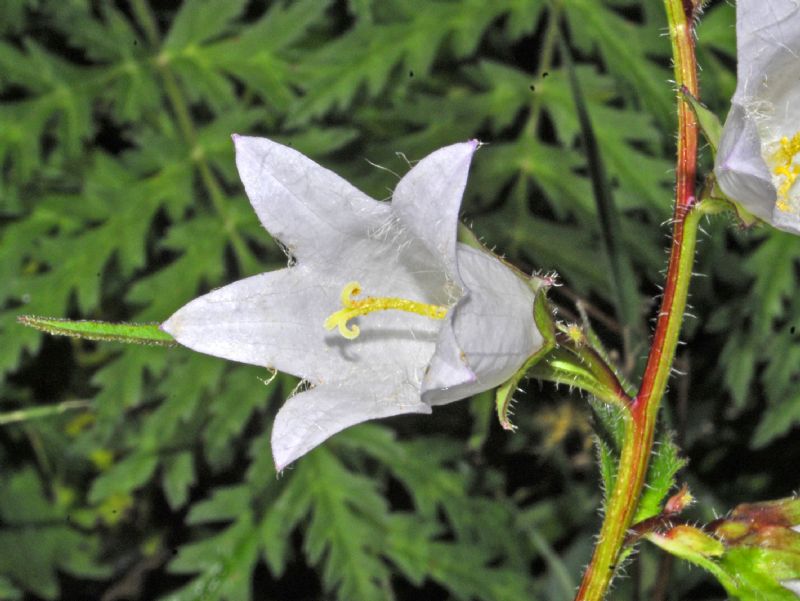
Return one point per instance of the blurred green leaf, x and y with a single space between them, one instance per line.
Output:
124 477
179 475
40 540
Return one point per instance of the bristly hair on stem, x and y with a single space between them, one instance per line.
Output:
640 428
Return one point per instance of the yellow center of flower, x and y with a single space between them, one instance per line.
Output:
786 170
370 304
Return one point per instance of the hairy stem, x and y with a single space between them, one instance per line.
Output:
641 421
44 411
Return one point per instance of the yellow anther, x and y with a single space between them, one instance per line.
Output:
370 304
786 168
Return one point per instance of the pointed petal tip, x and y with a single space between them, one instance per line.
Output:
448 381
168 326
283 456
238 141
284 461
244 143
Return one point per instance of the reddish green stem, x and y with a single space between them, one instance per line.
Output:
640 423
670 316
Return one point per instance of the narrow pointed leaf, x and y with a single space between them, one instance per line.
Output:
710 124
138 333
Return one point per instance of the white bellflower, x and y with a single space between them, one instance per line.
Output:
438 321
758 162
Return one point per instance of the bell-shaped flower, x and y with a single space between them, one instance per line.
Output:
758 161
437 321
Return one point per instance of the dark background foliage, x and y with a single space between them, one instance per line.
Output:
120 201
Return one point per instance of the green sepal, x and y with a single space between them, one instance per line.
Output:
543 318
709 123
693 545
714 200
596 344
137 333
535 282
745 217
688 542
566 366
467 237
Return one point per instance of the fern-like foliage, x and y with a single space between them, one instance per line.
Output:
119 200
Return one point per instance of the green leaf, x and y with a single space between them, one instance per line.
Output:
367 56
665 463
122 386
342 533
282 516
138 333
124 477
609 428
691 544
259 56
228 420
773 264
198 21
8 590
179 476
42 539
622 45
714 28
755 575
740 357
709 123
463 569
196 264
225 504
225 562
622 281
777 421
